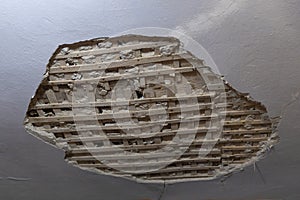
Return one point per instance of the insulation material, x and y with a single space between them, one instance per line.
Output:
146 109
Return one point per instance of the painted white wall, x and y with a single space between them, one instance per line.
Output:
255 43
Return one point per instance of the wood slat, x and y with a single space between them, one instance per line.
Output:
243 122
130 102
94 117
108 149
243 140
77 54
177 169
224 147
138 156
251 132
118 115
118 64
184 176
124 127
241 112
238 155
163 134
125 166
128 137
122 76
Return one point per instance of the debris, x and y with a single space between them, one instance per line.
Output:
168 50
85 48
89 59
65 51
105 45
103 92
127 54
76 76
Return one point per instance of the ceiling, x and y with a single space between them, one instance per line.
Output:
255 45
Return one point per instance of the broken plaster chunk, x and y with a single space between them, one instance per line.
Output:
89 59
65 51
248 151
71 62
85 48
134 70
250 118
168 82
94 74
142 82
62 75
104 44
103 92
127 54
248 126
107 57
152 119
167 50
76 76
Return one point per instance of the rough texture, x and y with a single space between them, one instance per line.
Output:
171 93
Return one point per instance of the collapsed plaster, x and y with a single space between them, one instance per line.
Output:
144 108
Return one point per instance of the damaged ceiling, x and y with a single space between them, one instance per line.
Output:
143 108
254 43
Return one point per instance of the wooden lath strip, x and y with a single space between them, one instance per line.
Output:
164 170
244 132
118 64
262 131
108 149
242 122
171 169
124 127
241 147
122 76
151 164
95 118
121 115
77 54
243 140
237 155
180 169
118 115
241 112
172 133
137 156
130 102
236 162
174 177
128 137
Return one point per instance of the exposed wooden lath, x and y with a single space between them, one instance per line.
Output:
156 71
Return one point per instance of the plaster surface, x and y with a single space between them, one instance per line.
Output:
254 43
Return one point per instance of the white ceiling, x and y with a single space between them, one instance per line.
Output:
255 44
